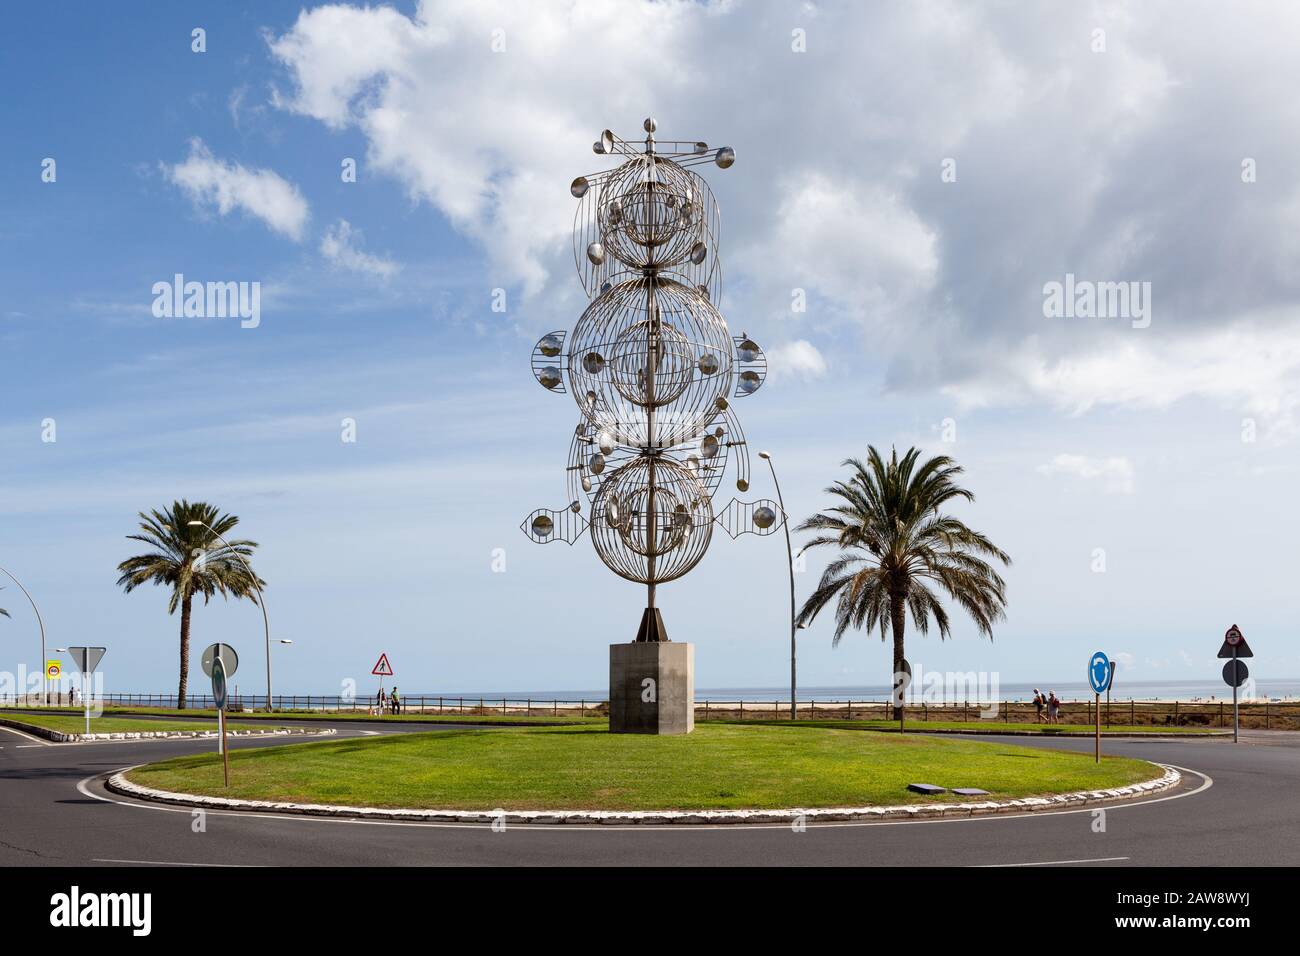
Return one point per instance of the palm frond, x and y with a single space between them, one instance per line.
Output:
191 560
895 541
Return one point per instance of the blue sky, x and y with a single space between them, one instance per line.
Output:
924 304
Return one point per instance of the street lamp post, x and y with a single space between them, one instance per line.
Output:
45 685
789 554
261 602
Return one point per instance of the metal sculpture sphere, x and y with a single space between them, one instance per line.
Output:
650 214
651 531
650 343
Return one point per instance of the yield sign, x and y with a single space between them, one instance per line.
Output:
382 667
86 658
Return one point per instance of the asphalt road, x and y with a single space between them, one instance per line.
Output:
1237 806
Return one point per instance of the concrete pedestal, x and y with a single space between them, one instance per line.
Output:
651 688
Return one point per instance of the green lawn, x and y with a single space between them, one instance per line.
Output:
718 766
980 726
451 717
68 724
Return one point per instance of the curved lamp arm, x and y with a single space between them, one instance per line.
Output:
261 601
45 697
789 554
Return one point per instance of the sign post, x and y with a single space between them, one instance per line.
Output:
1108 686
220 662
381 670
86 659
1100 673
219 696
1235 671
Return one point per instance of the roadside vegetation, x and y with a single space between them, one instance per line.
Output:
337 716
975 727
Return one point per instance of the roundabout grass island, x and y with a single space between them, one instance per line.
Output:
586 768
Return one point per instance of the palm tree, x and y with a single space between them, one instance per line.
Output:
190 560
895 545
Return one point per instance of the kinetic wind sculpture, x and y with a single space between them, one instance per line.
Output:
653 369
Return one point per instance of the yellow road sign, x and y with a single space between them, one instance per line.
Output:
53 670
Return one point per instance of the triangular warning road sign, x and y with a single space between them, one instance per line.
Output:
1243 649
382 667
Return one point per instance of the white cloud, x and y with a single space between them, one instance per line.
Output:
491 140
477 135
841 195
1252 365
797 359
340 246
225 186
1115 474
859 247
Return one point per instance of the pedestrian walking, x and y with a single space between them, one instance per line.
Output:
1039 702
395 702
1053 708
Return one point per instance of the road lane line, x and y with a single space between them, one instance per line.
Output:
1100 859
171 863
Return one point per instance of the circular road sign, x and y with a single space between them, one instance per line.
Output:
1099 672
1233 637
219 682
228 657
1235 673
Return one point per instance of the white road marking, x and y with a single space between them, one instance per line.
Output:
1100 859
39 741
1207 782
170 863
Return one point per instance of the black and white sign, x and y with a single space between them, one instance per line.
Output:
228 657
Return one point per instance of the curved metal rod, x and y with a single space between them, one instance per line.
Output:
45 686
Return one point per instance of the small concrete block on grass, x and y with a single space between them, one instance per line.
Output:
926 788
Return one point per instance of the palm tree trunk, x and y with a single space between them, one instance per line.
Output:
185 651
897 611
